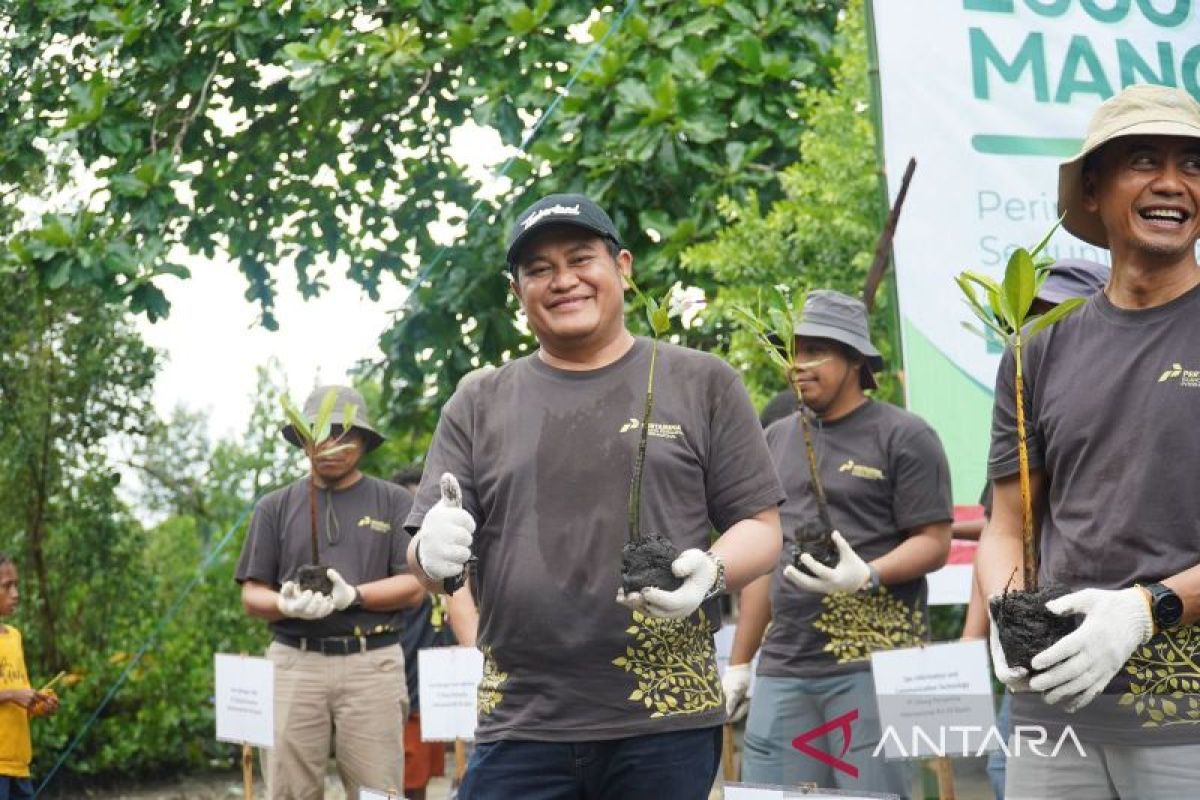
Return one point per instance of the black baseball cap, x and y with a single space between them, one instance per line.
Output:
559 209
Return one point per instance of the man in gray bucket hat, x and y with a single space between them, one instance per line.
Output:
339 667
1112 396
887 483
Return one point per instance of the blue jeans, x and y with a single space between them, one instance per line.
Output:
782 709
660 766
15 788
996 762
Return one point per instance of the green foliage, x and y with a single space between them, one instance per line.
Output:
821 233
1008 302
302 137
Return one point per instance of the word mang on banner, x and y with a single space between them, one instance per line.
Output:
1079 69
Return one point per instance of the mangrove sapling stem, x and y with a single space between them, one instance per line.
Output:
811 452
1029 565
635 493
312 511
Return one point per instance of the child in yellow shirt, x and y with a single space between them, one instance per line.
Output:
18 701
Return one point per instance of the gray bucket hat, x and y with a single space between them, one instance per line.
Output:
833 315
1072 277
345 396
1141 109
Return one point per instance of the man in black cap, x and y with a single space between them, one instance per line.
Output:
1112 397
581 696
339 669
888 487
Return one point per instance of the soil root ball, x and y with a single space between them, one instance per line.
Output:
647 563
315 578
816 539
1026 627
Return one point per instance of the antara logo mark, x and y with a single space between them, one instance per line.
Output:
841 723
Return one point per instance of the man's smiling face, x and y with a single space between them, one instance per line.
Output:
1146 190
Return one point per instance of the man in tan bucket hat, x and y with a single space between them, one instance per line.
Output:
1112 399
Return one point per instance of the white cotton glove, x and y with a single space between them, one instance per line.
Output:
303 605
699 573
735 683
444 540
1015 678
850 574
1078 666
342 594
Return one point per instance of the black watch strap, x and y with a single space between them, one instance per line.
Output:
1165 606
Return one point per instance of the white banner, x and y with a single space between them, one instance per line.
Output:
989 96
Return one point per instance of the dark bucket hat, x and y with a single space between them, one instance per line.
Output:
833 315
1073 277
559 209
345 396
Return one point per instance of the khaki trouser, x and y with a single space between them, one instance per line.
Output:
359 701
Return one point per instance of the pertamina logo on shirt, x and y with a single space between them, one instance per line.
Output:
862 471
377 525
1186 377
662 430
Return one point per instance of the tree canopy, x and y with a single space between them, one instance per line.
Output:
301 138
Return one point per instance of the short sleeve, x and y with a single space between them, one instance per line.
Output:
1002 455
402 502
921 492
449 451
260 552
740 479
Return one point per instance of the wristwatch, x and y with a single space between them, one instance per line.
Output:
1165 606
718 586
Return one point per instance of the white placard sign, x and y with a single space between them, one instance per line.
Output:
740 791
375 794
448 680
935 700
245 698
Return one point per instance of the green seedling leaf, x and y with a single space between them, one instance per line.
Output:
660 318
349 414
324 416
1020 285
1046 239
297 421
1054 315
335 449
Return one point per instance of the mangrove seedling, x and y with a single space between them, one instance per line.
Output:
774 329
1024 624
647 556
315 440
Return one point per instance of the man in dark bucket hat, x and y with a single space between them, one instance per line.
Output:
887 482
1112 396
360 702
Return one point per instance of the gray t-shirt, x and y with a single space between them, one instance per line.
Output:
1112 403
884 474
367 542
545 459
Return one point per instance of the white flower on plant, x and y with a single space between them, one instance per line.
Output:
686 303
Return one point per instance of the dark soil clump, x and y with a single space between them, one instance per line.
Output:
314 577
1026 627
647 562
816 539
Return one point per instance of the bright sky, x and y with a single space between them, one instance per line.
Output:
212 344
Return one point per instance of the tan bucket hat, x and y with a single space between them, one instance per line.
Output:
1140 110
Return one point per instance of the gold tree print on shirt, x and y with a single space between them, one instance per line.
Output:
1165 679
861 623
489 695
675 665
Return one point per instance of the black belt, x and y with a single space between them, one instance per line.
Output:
339 645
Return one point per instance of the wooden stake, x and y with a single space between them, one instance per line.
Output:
727 759
460 760
247 772
944 770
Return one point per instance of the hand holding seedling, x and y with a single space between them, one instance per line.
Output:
1015 678
698 571
735 683
45 703
305 604
444 540
1077 667
850 574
